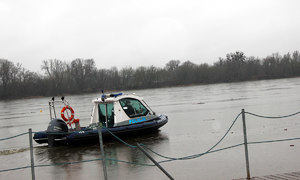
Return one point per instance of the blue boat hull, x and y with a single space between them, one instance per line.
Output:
86 135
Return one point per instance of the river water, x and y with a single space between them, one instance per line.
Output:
198 117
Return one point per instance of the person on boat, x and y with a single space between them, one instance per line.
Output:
129 109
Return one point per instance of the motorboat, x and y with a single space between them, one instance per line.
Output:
116 114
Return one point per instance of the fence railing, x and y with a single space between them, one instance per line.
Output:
143 148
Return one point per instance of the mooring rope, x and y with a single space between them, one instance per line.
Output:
275 140
77 162
210 150
201 154
3 139
132 146
13 169
272 117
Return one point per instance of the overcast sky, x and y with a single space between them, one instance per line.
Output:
145 32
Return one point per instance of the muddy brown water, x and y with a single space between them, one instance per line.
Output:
198 117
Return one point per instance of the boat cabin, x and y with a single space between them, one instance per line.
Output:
117 110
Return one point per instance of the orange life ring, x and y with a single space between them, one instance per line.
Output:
63 113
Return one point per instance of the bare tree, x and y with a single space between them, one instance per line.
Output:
55 71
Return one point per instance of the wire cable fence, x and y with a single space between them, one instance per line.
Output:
7 138
273 117
167 158
179 158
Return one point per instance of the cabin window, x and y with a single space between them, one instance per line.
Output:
110 114
133 107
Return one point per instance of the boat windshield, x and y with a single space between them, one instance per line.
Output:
109 108
133 107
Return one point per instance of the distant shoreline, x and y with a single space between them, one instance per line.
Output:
81 75
111 91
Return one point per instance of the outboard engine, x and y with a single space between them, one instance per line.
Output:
57 132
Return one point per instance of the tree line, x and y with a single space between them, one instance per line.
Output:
82 75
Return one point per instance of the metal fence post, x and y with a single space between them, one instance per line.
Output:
31 154
102 151
246 144
156 163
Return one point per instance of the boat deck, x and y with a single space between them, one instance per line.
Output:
285 176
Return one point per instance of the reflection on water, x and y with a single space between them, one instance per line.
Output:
198 117
113 150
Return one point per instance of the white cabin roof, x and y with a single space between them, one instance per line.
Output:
110 99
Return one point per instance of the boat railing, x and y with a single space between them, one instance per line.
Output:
52 106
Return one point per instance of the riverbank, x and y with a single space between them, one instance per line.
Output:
82 76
